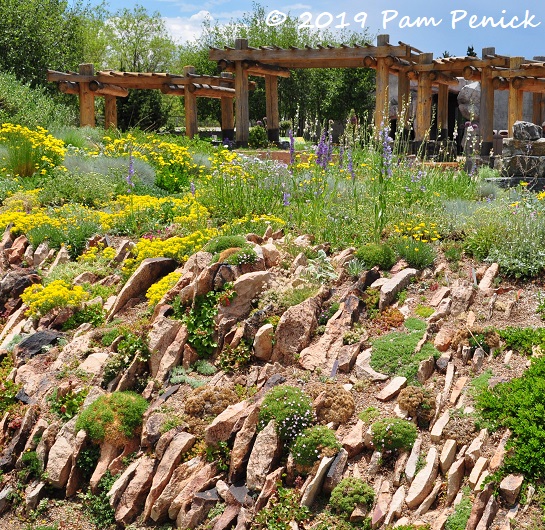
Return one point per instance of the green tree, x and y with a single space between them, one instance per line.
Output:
40 34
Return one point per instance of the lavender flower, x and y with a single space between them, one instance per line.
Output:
192 188
286 198
341 155
350 165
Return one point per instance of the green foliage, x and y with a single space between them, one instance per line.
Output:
369 414
87 460
326 520
417 254
257 137
480 383
376 254
458 520
521 340
233 359
424 311
415 324
68 405
221 454
179 375
97 507
131 346
291 409
282 509
518 405
204 368
327 313
93 314
113 417
393 353
297 295
355 267
453 250
312 444
349 493
221 243
391 434
246 254
32 466
8 389
540 309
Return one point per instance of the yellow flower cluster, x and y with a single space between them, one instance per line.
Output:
48 150
228 164
40 300
178 248
307 163
255 219
97 252
154 150
162 287
186 211
417 231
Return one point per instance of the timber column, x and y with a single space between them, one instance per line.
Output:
515 96
271 96
382 99
86 98
442 112
242 110
486 113
227 114
190 102
403 102
423 103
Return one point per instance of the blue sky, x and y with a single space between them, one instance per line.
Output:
431 26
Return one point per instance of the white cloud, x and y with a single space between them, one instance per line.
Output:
296 7
187 28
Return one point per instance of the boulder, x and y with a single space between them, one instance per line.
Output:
35 343
263 342
510 488
469 101
243 445
395 285
222 426
59 461
162 334
314 487
524 130
392 389
148 272
264 455
454 479
423 482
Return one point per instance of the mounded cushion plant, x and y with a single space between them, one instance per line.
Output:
290 407
113 418
349 493
390 434
376 254
312 444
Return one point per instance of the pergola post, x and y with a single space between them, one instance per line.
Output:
538 105
190 102
271 97
486 113
423 102
515 96
382 100
110 112
227 114
403 100
242 112
442 112
86 98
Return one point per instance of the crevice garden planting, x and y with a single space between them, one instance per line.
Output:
196 338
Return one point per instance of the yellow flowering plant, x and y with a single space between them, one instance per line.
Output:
160 288
40 300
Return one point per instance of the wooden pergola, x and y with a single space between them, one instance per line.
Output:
110 84
495 72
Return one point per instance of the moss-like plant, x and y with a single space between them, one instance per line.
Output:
418 403
221 243
349 493
312 444
113 418
336 405
290 407
391 434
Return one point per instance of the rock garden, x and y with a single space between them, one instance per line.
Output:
195 338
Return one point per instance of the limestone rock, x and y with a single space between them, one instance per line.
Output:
265 453
59 461
485 285
525 130
270 486
490 512
510 488
392 389
271 255
439 425
179 445
381 507
448 454
147 273
263 342
479 506
443 339
315 485
425 369
462 296
335 472
430 499
242 445
134 495
423 482
497 459
478 468
396 505
395 285
221 428
441 293
455 478
353 442
474 450
410 468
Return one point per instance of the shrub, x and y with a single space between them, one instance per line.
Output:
113 417
314 443
418 403
376 254
349 493
391 434
291 409
337 404
416 253
282 509
68 405
232 359
458 520
257 137
129 347
518 405
97 507
209 402
221 243
424 311
179 375
245 254
521 340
